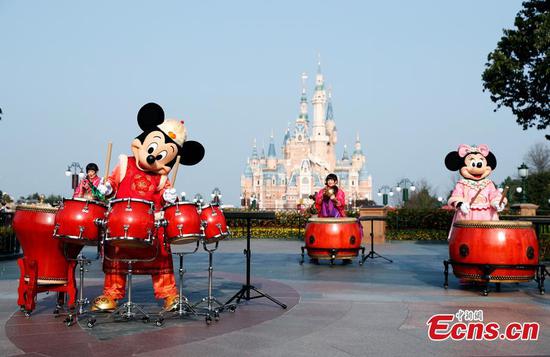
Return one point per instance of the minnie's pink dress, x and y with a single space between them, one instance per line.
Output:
482 209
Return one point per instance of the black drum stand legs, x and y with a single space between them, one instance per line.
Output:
211 311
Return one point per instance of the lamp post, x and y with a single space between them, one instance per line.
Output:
216 196
405 185
523 171
384 191
76 172
253 202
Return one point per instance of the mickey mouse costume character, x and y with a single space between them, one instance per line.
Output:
144 176
474 197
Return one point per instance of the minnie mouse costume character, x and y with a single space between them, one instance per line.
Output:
144 176
474 197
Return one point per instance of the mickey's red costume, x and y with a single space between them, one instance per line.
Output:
144 176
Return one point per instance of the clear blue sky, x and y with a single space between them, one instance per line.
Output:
405 75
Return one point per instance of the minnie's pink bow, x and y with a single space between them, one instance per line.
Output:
464 150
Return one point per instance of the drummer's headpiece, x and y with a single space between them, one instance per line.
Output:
473 162
157 148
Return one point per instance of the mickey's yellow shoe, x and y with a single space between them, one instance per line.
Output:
103 303
171 303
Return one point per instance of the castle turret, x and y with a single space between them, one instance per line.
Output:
330 125
271 156
357 158
319 138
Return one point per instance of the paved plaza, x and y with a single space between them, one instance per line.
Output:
378 309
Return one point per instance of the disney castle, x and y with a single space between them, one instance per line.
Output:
308 156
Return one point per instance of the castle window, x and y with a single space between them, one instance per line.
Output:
273 181
352 183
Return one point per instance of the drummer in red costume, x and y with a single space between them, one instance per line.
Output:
84 189
144 176
331 200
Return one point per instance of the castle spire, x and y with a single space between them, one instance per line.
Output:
303 99
357 150
271 149
254 151
330 114
345 156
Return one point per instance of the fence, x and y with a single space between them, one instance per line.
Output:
9 245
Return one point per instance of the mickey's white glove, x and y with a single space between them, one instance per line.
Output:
465 207
499 207
170 195
105 188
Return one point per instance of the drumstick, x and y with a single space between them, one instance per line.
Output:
177 164
504 193
108 161
474 198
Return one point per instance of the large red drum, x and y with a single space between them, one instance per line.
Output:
76 221
183 223
130 223
332 238
494 242
215 225
34 227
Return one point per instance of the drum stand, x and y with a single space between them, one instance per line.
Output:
211 311
129 310
244 293
487 269
372 254
82 301
126 310
183 308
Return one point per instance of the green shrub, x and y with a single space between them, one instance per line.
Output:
417 234
404 218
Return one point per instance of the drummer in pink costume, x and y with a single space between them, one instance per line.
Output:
330 201
84 189
474 197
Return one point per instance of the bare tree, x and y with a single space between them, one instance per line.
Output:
538 157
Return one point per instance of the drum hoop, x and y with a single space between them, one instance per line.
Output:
99 203
36 209
65 236
224 234
332 220
210 205
121 238
186 203
185 236
47 281
493 224
151 203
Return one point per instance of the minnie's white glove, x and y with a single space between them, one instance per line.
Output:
498 207
105 188
465 207
170 195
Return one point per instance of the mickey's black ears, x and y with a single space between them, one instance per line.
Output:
191 153
150 116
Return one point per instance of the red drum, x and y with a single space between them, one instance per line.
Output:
75 222
215 225
130 223
494 242
33 227
333 238
183 223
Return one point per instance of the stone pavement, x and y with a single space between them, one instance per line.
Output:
378 309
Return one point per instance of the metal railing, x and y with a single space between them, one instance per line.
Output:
9 245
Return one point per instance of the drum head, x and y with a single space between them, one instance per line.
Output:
492 224
332 220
